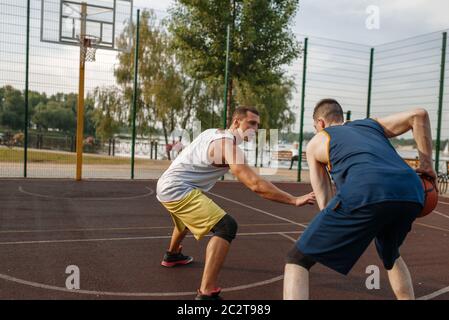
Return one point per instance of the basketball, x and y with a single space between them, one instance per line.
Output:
430 196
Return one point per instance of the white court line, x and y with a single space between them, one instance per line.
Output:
259 210
431 227
434 294
442 202
87 199
133 294
288 237
441 214
127 228
131 238
151 294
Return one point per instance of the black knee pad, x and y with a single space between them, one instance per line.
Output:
226 228
295 256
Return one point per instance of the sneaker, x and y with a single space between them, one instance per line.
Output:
215 295
174 259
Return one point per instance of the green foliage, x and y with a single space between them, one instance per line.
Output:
261 39
272 102
108 114
261 44
12 108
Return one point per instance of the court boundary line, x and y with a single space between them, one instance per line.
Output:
125 228
244 234
86 199
441 214
434 294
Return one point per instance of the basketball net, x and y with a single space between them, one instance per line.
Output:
87 48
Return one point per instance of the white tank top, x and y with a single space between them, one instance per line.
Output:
192 169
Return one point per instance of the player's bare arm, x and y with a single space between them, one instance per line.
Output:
418 121
317 158
234 157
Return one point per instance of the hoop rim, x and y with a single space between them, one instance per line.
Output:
93 40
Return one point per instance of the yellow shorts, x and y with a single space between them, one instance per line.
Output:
196 212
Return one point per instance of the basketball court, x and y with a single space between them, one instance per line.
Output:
116 233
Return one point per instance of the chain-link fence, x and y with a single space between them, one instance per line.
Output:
365 80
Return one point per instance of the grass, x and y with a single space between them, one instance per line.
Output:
59 157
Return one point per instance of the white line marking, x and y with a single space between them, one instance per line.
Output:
441 214
132 294
442 202
127 228
259 210
431 227
434 294
87 199
288 237
130 238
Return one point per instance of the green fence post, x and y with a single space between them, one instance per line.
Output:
440 101
370 83
136 69
225 109
303 96
27 64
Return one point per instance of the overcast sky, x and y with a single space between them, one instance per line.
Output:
345 19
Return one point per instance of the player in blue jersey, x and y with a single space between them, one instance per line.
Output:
378 196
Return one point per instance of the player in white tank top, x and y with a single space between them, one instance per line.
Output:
213 153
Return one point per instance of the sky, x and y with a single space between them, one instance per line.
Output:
346 19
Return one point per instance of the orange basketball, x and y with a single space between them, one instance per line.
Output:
430 196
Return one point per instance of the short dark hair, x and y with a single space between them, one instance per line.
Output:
240 112
329 109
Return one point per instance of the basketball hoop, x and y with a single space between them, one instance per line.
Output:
87 47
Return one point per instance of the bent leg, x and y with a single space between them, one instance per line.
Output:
296 275
296 282
217 249
216 252
401 281
176 239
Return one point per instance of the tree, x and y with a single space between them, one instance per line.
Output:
148 60
261 39
162 86
108 114
54 115
272 102
12 108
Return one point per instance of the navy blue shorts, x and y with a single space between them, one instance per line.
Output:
337 238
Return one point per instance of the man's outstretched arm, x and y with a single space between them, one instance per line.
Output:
235 158
418 121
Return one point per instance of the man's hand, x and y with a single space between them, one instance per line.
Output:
430 173
305 199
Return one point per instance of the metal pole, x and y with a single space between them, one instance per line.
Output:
303 96
370 83
80 111
348 115
27 65
136 70
225 109
440 101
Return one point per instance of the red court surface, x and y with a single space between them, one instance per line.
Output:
116 233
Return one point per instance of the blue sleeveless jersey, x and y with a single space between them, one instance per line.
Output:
367 169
